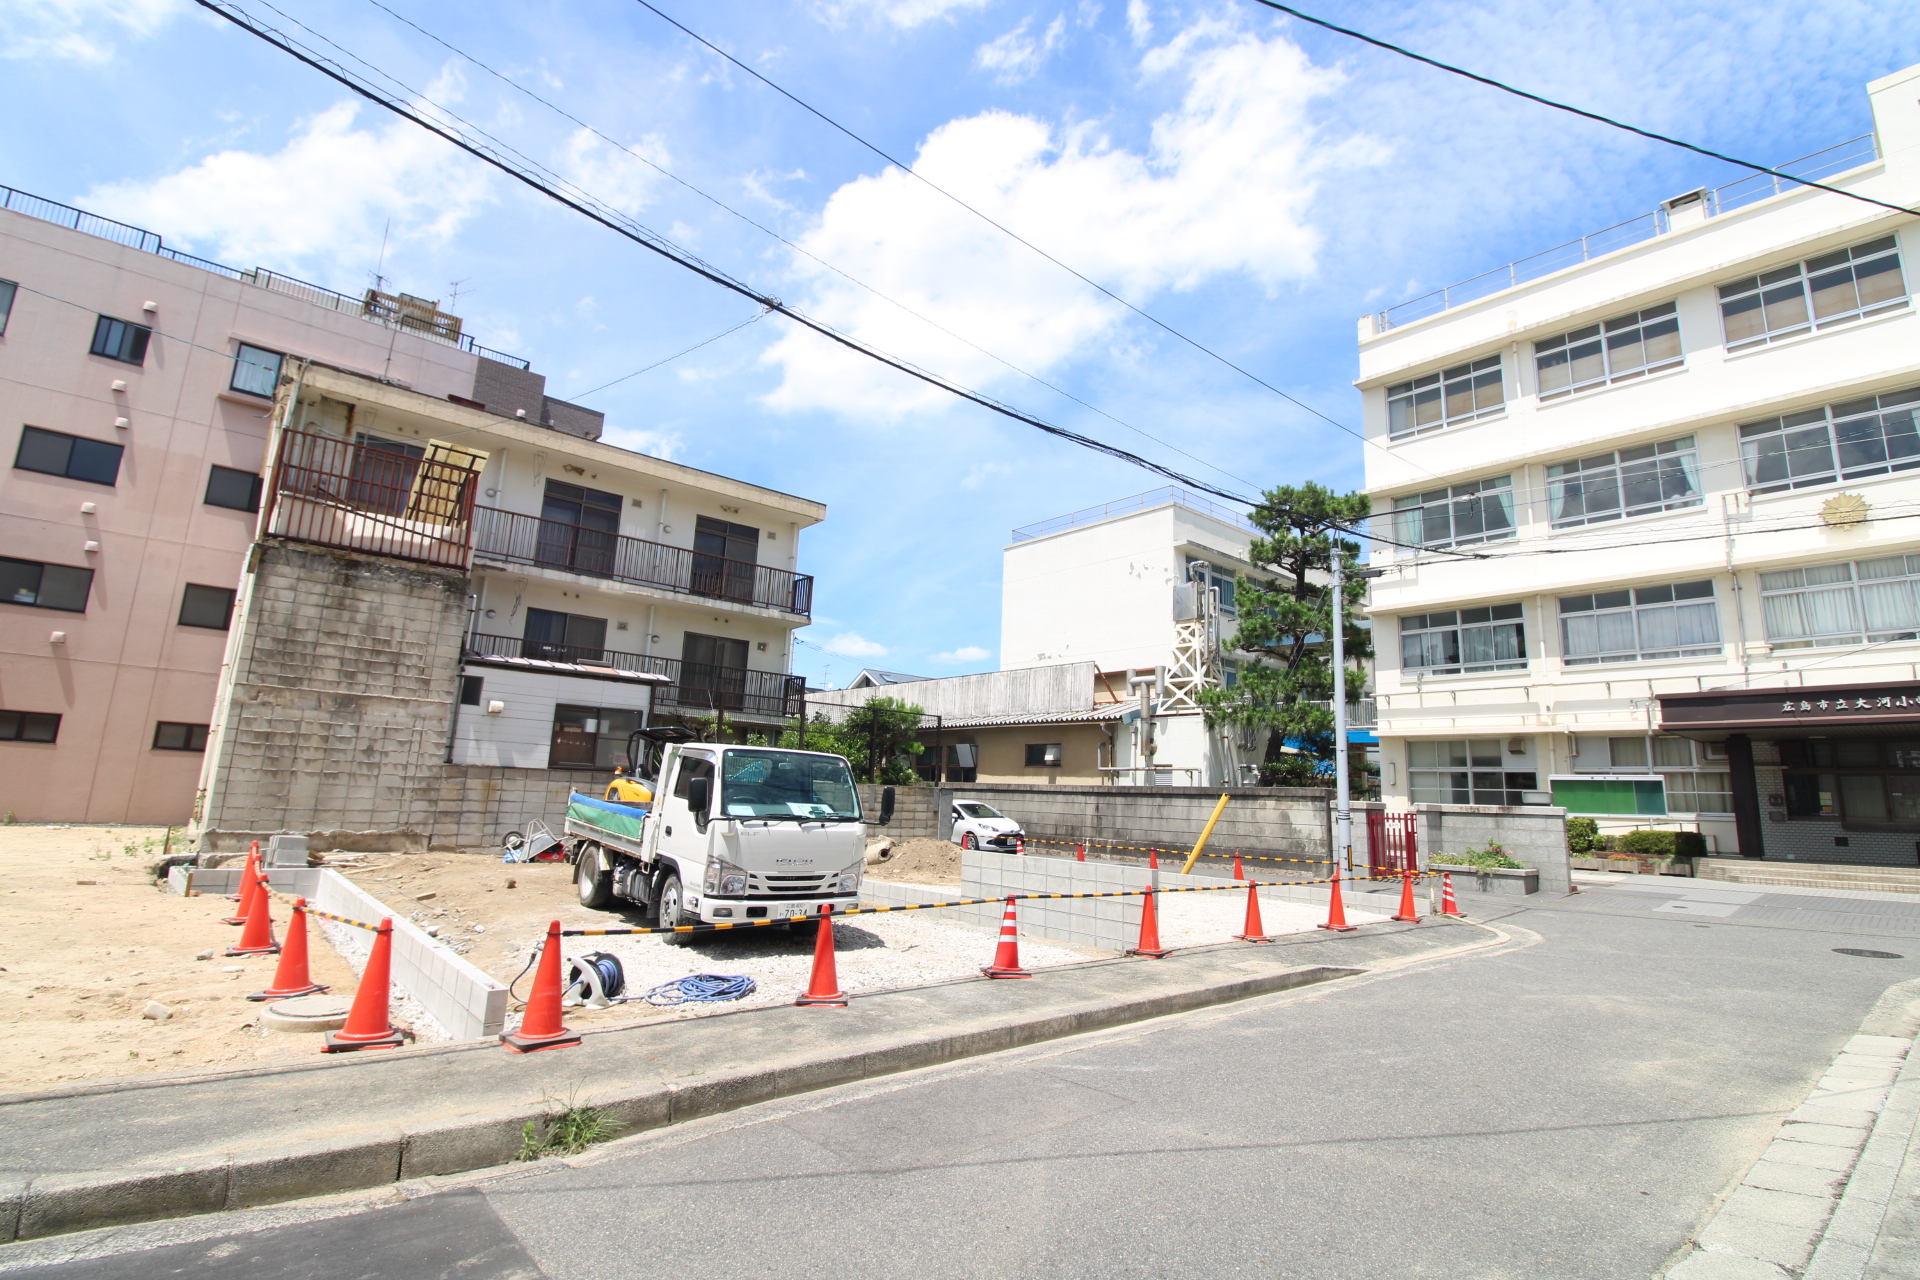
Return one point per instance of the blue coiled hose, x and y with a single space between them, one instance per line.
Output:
701 988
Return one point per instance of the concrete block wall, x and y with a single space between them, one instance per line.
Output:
1112 924
915 812
1535 836
1280 822
466 1002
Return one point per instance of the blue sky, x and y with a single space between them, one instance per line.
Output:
1253 182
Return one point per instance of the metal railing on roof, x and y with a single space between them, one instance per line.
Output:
1138 502
696 688
1835 159
65 215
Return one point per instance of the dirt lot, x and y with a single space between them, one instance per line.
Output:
90 940
920 862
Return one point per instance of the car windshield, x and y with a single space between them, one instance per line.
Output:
760 783
979 811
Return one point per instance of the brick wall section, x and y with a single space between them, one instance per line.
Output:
333 716
1280 822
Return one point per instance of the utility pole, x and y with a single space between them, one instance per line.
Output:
1343 783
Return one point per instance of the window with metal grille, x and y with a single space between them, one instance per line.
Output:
1462 641
1834 288
1465 393
120 340
1871 436
1625 347
1464 771
1458 515
1855 602
1680 620
1626 482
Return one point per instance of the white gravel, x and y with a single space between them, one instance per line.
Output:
355 946
1197 919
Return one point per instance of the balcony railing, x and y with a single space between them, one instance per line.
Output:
597 553
1821 164
337 493
1127 506
695 688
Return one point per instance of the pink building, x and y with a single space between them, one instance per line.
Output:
135 388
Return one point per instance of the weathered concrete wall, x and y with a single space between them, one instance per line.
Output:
1024 691
1276 821
915 812
1535 835
335 709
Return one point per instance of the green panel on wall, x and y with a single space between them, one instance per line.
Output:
1604 797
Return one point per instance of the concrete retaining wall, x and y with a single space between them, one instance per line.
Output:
463 1000
915 812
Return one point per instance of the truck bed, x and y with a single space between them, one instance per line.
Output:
617 826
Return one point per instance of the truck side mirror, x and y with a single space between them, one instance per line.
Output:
699 795
886 806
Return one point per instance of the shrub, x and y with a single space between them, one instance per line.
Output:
1581 834
1481 859
1663 844
1603 844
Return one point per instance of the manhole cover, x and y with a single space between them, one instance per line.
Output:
1871 955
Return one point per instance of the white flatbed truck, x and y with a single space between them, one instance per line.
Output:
733 834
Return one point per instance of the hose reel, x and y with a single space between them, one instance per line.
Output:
594 980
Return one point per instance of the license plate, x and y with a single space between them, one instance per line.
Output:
797 909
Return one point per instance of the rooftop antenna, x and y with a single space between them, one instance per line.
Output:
380 280
454 292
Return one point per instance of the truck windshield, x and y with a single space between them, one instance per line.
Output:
760 783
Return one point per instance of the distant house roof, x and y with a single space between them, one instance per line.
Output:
1098 715
873 677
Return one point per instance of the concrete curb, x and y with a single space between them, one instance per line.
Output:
50 1203
1812 1204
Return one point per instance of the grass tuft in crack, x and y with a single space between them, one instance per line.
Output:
570 1131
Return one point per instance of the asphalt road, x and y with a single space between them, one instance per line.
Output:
1567 1105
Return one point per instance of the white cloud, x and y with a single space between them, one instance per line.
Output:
981 472
1015 56
319 204
965 654
1224 188
1139 22
656 444
614 176
901 13
80 30
851 644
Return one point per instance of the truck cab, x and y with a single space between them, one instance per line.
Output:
736 834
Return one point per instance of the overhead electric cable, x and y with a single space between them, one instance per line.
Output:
758 315
1001 227
657 244
769 231
1561 106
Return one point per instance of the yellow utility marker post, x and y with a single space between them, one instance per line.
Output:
1201 843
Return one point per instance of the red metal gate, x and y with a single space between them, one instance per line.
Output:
1392 846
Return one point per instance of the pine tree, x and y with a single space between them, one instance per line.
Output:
1285 625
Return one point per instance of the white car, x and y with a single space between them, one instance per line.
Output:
981 826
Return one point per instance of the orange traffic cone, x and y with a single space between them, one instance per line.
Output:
291 978
1336 912
1080 852
540 1026
1448 907
367 1024
824 987
245 896
1239 872
1153 859
1006 959
1255 932
257 938
1407 914
1149 930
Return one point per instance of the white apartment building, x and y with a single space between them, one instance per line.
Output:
1660 488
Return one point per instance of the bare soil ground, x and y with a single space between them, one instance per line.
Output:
920 862
90 939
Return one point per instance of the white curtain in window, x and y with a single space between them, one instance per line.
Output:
1697 624
1810 613
1889 606
1497 508
1690 475
1597 633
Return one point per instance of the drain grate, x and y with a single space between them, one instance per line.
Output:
1871 955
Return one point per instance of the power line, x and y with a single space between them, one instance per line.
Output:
1571 110
766 230
660 245
1002 228
756 316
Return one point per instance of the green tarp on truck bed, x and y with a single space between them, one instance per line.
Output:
626 820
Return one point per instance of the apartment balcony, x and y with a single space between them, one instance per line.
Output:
595 553
695 688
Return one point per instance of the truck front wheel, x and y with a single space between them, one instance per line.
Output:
667 898
593 878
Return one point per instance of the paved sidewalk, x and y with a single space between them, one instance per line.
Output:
93 1155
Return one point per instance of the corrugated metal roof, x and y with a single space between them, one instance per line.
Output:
1111 711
